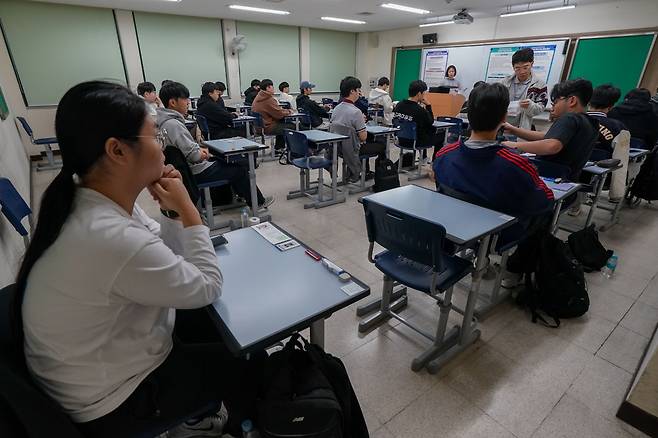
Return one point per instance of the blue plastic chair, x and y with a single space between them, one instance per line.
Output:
300 156
407 136
413 256
305 120
454 132
638 143
46 142
203 126
14 208
328 101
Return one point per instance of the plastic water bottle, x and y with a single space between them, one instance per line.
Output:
244 217
248 430
609 269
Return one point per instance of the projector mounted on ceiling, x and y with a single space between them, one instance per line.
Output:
462 17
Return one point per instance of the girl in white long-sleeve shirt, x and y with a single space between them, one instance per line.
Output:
100 281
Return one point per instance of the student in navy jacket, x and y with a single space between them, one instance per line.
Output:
488 173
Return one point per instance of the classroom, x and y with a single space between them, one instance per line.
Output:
328 219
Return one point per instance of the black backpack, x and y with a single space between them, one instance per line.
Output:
306 393
386 175
645 185
558 286
587 248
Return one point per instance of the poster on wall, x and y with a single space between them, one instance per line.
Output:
500 61
4 109
434 70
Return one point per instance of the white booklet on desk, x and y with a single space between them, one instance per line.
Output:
271 233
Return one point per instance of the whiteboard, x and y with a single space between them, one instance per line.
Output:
492 62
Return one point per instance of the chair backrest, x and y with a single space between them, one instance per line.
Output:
203 125
258 123
305 119
459 124
354 141
328 101
25 126
296 142
284 104
638 143
175 157
550 169
408 236
407 129
13 206
599 154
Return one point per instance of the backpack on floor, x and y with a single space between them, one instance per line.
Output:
587 248
306 393
386 175
645 185
557 286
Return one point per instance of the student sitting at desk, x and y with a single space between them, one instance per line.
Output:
379 96
268 107
220 121
637 114
347 114
176 98
146 90
603 99
251 92
418 110
221 86
527 90
284 96
570 139
97 292
490 174
315 111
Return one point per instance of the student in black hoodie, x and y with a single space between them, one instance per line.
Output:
220 121
315 111
417 109
251 92
637 114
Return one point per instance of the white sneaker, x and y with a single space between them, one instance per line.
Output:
209 426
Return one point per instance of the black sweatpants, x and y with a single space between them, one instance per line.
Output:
277 129
235 173
199 372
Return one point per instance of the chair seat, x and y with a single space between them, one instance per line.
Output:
314 162
419 276
211 184
46 140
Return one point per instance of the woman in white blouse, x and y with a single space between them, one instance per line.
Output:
100 282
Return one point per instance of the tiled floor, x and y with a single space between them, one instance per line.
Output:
519 379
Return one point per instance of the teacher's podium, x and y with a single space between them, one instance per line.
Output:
446 104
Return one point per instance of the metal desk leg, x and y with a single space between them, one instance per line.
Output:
334 182
599 188
297 124
317 332
247 128
556 216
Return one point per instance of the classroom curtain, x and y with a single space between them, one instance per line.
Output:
272 53
333 56
189 50
54 47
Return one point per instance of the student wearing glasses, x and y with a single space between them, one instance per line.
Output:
528 94
570 139
95 301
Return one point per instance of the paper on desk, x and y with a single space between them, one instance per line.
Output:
270 233
351 288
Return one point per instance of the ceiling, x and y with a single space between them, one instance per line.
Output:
308 12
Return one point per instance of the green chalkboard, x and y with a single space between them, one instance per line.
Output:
615 60
407 69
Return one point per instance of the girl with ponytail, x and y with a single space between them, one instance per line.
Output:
95 297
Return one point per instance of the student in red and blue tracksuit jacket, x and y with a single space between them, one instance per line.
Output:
489 174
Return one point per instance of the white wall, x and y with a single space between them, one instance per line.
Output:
620 15
14 165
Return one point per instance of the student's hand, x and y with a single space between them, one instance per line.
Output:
170 171
204 153
525 103
508 127
172 195
158 102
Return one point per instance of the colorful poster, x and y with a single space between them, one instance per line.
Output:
434 71
500 61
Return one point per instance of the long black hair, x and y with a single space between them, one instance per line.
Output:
87 116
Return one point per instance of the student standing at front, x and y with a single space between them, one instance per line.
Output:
97 291
527 92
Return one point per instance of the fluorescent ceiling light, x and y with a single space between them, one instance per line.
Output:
263 10
404 8
535 11
173 1
342 20
438 23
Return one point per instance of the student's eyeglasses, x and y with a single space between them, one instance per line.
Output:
554 101
159 137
